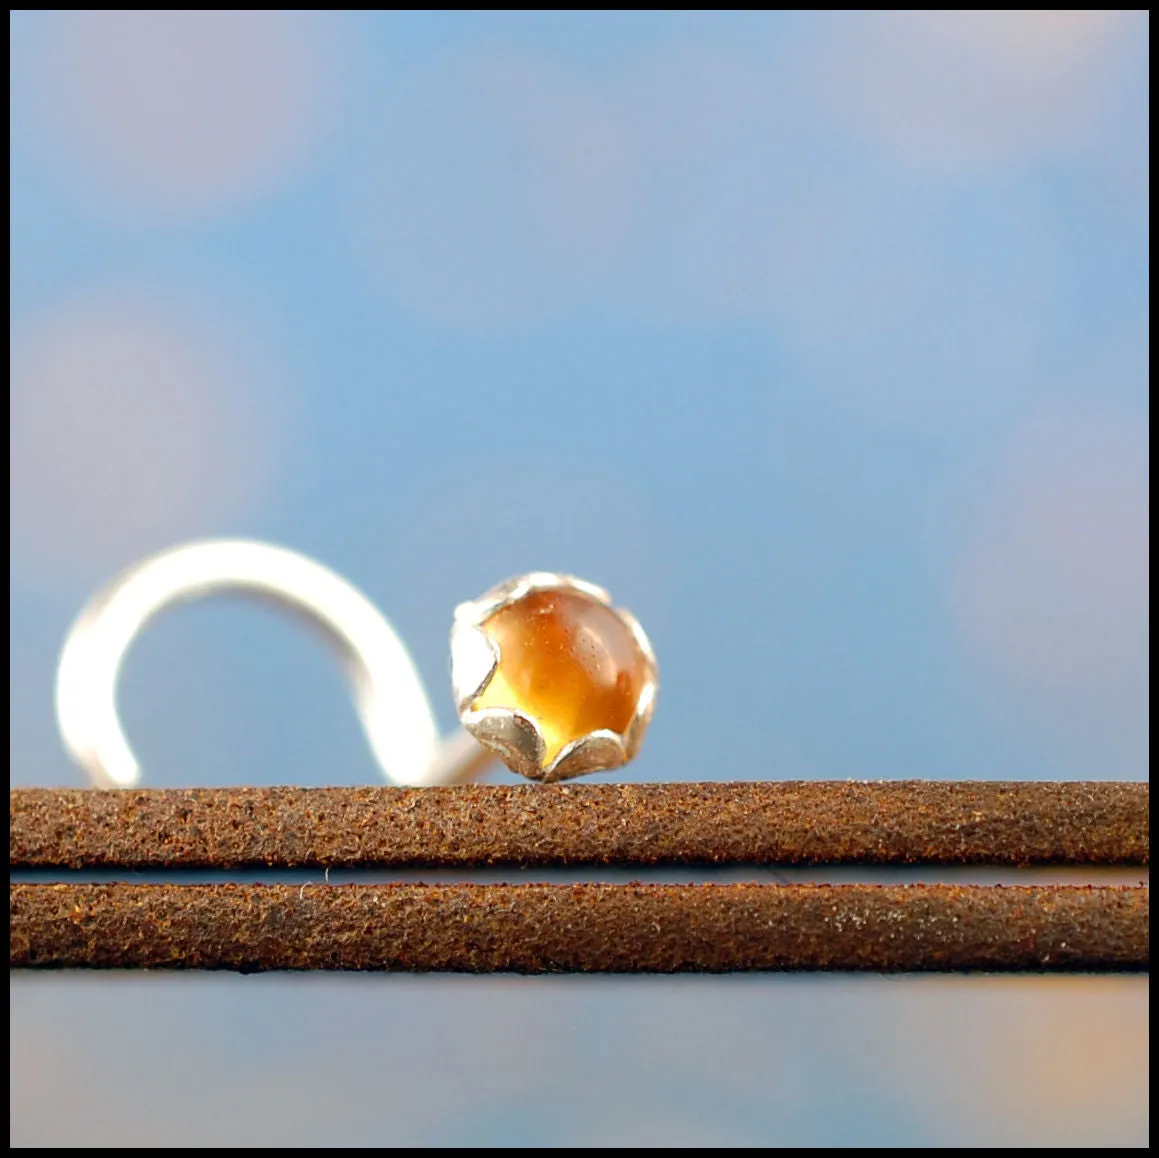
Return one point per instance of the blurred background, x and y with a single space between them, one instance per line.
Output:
820 339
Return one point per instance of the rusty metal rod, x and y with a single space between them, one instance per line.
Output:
789 823
589 928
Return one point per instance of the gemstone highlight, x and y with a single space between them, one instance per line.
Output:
566 661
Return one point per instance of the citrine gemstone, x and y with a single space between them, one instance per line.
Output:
568 662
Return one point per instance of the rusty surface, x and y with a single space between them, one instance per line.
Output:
579 928
804 823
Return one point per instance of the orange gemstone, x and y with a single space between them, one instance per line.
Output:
566 661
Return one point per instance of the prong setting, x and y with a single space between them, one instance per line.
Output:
474 660
514 736
598 751
499 719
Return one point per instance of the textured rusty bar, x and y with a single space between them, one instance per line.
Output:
588 928
792 822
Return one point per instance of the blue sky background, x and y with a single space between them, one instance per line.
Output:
819 339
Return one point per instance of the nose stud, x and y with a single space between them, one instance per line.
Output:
552 678
546 674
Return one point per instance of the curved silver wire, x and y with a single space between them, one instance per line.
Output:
388 691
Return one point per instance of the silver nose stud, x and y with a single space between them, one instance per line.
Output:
560 683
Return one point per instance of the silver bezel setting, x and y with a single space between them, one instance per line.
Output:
513 735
